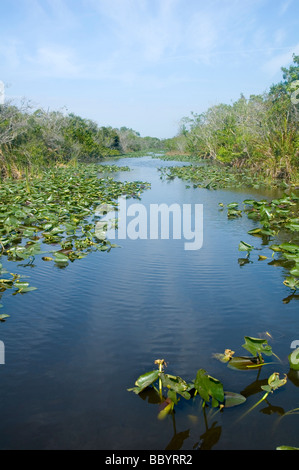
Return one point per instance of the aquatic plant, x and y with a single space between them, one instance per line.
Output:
213 176
58 209
274 382
53 216
275 217
259 133
284 447
208 388
172 389
256 346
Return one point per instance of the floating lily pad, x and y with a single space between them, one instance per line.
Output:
243 246
257 346
209 388
244 363
144 381
3 316
233 399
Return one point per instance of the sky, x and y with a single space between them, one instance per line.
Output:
143 64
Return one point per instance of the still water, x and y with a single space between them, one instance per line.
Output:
74 346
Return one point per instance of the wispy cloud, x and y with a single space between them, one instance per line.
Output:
171 53
54 62
50 15
9 53
127 39
143 29
150 33
273 65
285 6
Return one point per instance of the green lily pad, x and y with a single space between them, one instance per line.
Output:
291 282
209 388
3 316
257 346
144 381
244 363
243 246
176 384
233 399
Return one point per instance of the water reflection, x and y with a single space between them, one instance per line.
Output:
74 346
207 440
210 437
213 429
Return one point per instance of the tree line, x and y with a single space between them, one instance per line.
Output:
260 133
34 139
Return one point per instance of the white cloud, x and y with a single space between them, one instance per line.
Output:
157 31
152 51
279 36
273 66
9 53
139 29
285 6
47 13
53 61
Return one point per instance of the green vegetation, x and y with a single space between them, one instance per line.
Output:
274 219
209 389
215 176
48 204
259 133
171 388
258 136
256 346
53 216
274 382
30 141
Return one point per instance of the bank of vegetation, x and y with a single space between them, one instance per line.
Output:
259 133
31 140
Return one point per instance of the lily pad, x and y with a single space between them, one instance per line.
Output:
3 316
257 346
244 363
233 399
243 246
144 381
209 388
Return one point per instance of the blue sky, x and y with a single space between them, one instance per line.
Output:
143 64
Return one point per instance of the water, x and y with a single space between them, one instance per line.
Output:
74 346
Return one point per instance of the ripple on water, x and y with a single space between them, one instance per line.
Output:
76 344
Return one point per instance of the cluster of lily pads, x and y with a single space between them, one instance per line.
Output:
275 217
53 216
16 283
212 176
170 389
